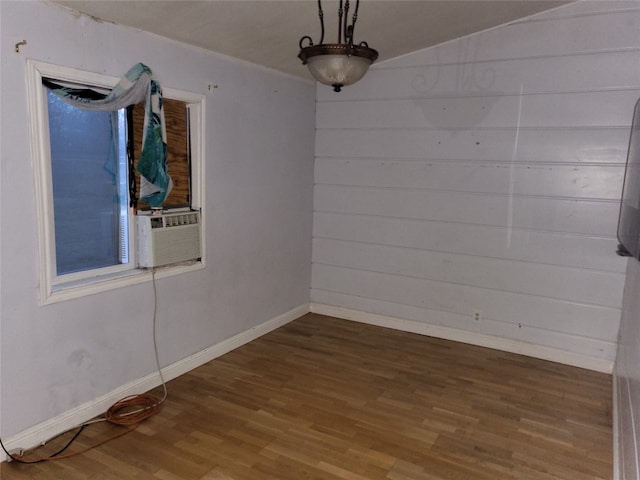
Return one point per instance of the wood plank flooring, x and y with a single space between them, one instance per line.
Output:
322 398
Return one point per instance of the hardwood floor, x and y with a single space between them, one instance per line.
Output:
322 398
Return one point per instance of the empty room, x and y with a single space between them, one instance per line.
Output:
358 240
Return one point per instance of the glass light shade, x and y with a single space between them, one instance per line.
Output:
338 69
338 64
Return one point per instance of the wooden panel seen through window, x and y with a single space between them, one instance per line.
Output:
175 116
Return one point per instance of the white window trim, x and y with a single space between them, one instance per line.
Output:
59 288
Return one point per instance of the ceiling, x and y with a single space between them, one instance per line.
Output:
268 32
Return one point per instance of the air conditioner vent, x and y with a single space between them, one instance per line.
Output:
168 238
175 219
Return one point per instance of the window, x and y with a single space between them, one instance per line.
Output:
85 183
89 174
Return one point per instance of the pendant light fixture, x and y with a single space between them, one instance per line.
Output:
342 63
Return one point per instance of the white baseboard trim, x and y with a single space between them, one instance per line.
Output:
42 432
616 431
472 338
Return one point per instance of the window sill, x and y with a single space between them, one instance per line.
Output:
91 286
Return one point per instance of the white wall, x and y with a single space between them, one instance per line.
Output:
627 375
259 170
484 175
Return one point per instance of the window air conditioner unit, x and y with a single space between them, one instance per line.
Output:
168 238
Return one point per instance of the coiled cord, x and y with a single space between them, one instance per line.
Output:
134 409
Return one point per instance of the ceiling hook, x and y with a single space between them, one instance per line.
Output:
20 44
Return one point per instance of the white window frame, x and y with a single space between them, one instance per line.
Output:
55 288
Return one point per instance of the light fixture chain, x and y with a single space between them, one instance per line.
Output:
321 16
347 29
353 22
340 12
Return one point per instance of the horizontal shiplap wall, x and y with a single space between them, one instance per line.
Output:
484 175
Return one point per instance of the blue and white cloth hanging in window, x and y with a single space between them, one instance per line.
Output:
136 86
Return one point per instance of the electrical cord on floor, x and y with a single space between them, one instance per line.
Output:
129 411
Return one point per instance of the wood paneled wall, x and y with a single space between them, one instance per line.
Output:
484 176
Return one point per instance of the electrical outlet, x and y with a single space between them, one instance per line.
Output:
477 316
